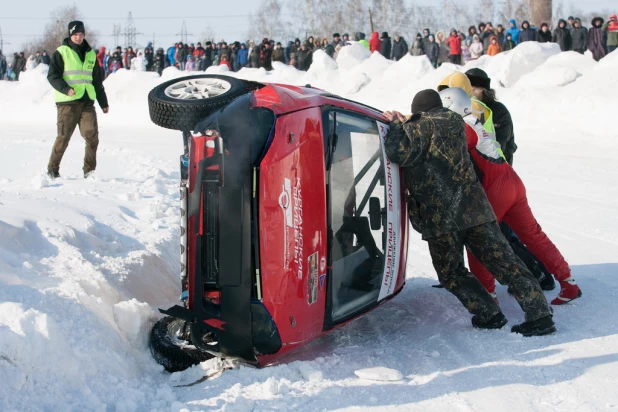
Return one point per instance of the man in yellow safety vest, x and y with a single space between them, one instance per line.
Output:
76 76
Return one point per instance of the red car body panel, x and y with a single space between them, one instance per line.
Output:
296 153
293 224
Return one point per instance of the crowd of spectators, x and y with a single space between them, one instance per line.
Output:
455 47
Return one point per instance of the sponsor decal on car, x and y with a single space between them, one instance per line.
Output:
322 279
285 202
298 229
312 278
291 203
393 221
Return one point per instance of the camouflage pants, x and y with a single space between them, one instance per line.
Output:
69 116
488 245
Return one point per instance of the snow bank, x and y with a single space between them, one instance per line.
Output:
85 263
508 67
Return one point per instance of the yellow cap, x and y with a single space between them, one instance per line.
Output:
456 79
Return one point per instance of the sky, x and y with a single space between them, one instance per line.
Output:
21 21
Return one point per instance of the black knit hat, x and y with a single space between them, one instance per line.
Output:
426 100
76 27
478 78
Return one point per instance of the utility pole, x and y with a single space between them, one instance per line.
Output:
184 36
541 11
117 31
370 20
130 32
2 41
153 41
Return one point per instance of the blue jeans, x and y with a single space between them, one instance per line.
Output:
611 48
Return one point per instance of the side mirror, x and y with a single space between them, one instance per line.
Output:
375 213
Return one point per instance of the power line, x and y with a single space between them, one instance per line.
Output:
234 16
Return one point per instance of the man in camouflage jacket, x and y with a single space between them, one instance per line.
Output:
450 208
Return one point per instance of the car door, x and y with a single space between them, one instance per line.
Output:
363 198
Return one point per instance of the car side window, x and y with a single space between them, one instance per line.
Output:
356 176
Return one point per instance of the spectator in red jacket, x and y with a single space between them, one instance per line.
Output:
225 62
375 44
454 44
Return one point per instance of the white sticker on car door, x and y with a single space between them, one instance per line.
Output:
392 254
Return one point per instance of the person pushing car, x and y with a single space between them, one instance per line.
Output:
76 76
449 206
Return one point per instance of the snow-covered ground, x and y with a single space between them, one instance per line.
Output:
85 263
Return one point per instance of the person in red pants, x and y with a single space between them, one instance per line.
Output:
507 195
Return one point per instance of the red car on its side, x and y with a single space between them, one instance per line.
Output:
294 221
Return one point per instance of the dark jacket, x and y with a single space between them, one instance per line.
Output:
254 58
45 59
485 38
149 59
596 40
266 56
19 64
438 173
426 40
544 37
329 50
508 45
386 47
432 51
562 37
579 38
505 134
526 34
279 55
399 49
182 54
56 68
159 61
304 59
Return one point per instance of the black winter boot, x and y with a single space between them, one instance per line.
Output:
495 322
53 174
539 327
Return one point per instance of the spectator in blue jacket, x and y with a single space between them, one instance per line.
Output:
526 33
243 55
171 55
513 31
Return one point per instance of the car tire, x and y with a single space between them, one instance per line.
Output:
179 104
171 349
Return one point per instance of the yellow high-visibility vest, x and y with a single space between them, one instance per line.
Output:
78 75
486 116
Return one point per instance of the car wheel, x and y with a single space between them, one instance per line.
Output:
171 346
180 103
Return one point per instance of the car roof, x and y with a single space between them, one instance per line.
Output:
283 98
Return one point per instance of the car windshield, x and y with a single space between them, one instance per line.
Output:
357 196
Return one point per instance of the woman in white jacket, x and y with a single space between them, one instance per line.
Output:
31 63
139 63
476 48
